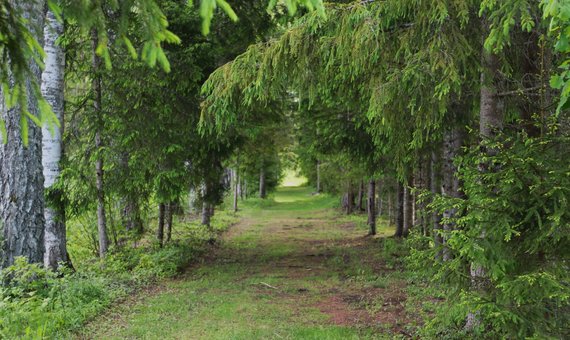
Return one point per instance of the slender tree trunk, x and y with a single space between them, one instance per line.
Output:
490 123
400 211
160 229
435 190
22 181
349 199
236 189
371 207
450 185
391 219
101 215
318 177
408 206
360 198
169 213
262 189
52 88
380 189
205 214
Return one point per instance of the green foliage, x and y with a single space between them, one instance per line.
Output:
559 14
513 223
38 303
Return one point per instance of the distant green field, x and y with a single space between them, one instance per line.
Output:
292 180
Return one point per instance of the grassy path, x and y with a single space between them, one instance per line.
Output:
291 269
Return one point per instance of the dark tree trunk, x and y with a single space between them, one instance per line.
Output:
380 189
371 207
131 215
360 199
435 190
450 183
262 189
400 211
22 182
391 215
348 200
160 229
318 177
205 214
408 206
169 214
236 189
96 87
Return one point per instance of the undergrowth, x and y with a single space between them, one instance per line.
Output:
36 303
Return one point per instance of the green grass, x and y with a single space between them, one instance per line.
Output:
273 277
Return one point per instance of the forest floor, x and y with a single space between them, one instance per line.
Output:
292 268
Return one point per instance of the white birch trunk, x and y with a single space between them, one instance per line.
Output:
53 91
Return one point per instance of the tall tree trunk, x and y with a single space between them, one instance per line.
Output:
169 213
160 229
435 190
391 219
380 189
490 123
131 215
22 181
450 184
360 198
52 88
96 87
236 189
371 207
400 211
262 189
206 214
348 200
318 177
408 205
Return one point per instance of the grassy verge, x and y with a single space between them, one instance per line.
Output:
40 304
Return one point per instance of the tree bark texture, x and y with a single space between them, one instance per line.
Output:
22 181
52 88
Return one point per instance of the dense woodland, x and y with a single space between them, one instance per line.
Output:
122 120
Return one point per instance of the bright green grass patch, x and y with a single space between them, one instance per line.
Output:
291 179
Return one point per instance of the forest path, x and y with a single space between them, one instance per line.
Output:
291 269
